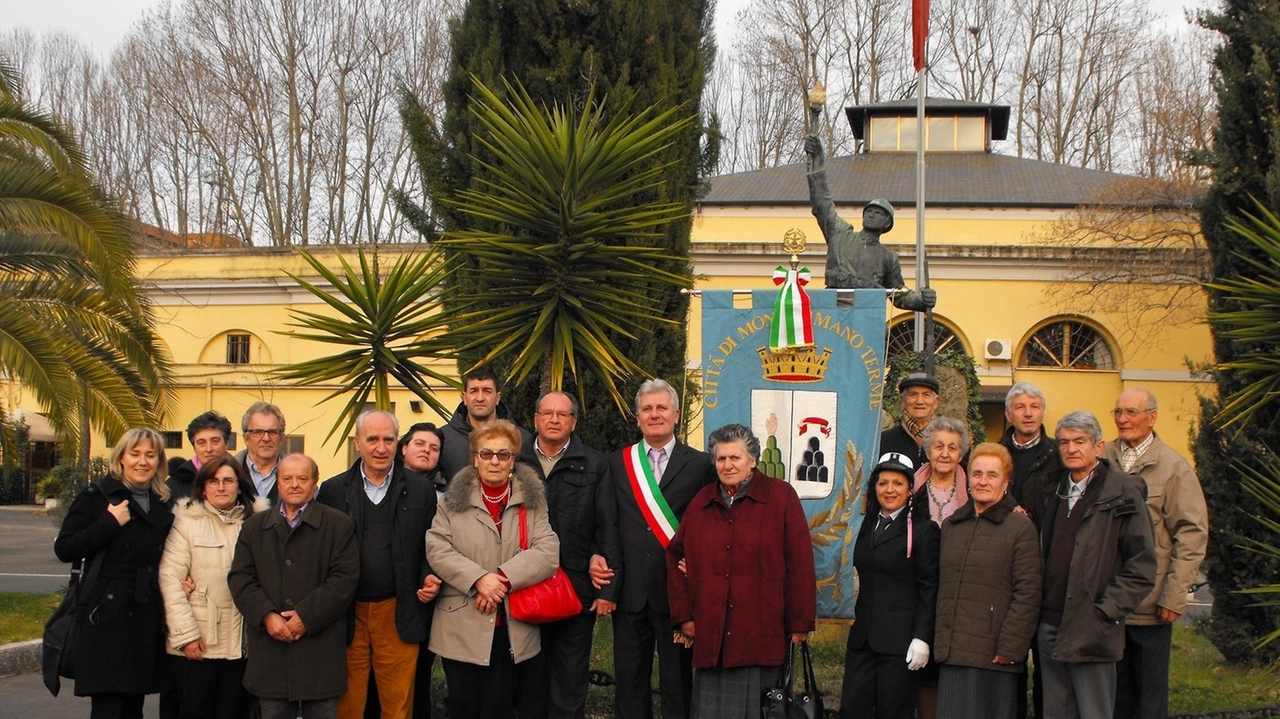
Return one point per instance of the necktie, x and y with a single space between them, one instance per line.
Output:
882 524
657 455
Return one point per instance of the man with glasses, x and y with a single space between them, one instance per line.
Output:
1099 563
392 512
1180 520
586 520
263 429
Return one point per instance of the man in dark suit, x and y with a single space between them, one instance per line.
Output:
652 482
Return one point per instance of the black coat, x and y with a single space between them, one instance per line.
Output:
121 650
897 595
644 559
582 515
413 508
181 483
455 453
1034 469
312 570
897 439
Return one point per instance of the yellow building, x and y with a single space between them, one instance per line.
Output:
222 312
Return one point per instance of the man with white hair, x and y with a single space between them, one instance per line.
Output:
1180 520
1036 463
652 482
391 616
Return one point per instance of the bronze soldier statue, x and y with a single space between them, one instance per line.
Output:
857 260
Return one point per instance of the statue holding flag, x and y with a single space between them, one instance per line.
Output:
856 259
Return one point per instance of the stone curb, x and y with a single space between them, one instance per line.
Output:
20 657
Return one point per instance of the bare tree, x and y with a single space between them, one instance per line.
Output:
1176 107
1138 254
270 120
1079 55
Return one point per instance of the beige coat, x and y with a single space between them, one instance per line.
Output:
1179 523
201 546
463 545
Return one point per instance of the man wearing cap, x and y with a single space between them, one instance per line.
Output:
919 394
1180 521
857 259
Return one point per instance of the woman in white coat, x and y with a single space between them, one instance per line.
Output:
204 627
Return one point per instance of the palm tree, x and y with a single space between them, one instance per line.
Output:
379 321
565 264
75 328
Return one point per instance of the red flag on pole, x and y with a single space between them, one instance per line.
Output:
919 31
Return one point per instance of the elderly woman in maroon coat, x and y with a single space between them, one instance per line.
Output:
749 587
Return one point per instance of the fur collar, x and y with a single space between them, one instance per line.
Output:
526 489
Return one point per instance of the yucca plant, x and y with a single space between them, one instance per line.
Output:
75 327
568 267
380 319
1251 323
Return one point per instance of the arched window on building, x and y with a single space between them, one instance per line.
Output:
1067 344
902 337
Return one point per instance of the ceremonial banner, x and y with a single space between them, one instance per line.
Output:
816 410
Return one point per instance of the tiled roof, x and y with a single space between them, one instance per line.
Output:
952 179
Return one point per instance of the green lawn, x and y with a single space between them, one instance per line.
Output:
22 616
1200 680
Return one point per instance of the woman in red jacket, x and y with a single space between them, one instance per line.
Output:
749 587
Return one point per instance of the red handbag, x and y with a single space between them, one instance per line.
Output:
550 600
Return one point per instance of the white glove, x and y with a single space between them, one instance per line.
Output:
917 655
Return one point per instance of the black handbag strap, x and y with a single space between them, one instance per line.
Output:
786 680
810 678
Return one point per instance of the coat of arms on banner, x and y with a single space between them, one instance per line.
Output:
806 373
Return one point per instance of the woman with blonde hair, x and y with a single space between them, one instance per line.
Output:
123 520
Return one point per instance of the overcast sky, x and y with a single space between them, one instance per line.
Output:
103 23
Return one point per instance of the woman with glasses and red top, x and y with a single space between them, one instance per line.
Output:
474 547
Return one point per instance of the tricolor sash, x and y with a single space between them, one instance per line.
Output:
657 513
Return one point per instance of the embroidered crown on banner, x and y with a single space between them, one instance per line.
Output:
791 355
794 365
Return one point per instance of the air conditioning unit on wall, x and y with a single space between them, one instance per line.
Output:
998 349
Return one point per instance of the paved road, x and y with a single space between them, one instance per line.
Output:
27 563
24 696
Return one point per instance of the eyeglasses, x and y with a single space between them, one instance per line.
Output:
549 413
272 433
221 480
487 455
1129 412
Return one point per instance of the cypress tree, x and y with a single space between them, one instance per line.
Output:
636 54
1244 170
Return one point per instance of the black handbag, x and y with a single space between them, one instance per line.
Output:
783 701
62 631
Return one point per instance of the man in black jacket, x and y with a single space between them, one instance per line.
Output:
585 518
481 402
1036 465
391 512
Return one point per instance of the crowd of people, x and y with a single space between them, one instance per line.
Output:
243 586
